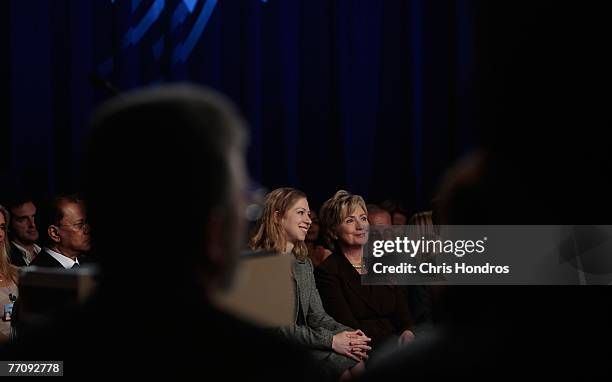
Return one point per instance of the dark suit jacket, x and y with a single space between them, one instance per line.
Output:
380 311
44 259
16 256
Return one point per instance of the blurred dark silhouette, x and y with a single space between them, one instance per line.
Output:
544 160
164 179
546 81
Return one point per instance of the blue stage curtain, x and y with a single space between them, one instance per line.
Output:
370 96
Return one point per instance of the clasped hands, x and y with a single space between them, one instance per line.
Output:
352 344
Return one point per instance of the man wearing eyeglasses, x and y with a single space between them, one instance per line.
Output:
67 234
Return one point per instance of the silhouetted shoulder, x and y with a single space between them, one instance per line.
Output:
205 342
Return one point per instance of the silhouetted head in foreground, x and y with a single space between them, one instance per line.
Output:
163 180
545 157
163 177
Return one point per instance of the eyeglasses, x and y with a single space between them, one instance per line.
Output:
81 226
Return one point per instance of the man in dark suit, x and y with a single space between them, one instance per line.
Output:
67 234
164 185
23 232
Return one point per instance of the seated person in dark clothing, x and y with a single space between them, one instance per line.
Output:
22 231
378 215
67 234
399 213
379 310
316 248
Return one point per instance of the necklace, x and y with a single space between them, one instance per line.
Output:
360 268
358 265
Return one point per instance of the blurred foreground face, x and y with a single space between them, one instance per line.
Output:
296 221
23 225
354 228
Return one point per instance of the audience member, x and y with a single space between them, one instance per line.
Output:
379 310
545 160
422 298
22 230
313 231
68 236
378 215
317 251
399 213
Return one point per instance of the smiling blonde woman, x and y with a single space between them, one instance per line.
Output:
380 310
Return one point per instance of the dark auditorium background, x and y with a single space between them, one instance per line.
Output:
378 97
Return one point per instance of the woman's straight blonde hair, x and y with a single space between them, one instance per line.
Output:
269 234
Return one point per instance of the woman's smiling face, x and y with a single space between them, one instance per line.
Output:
354 228
296 221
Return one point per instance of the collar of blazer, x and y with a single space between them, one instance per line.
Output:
300 267
353 279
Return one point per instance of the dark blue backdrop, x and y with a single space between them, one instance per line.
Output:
372 96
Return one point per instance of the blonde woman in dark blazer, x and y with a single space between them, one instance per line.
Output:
282 228
381 310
